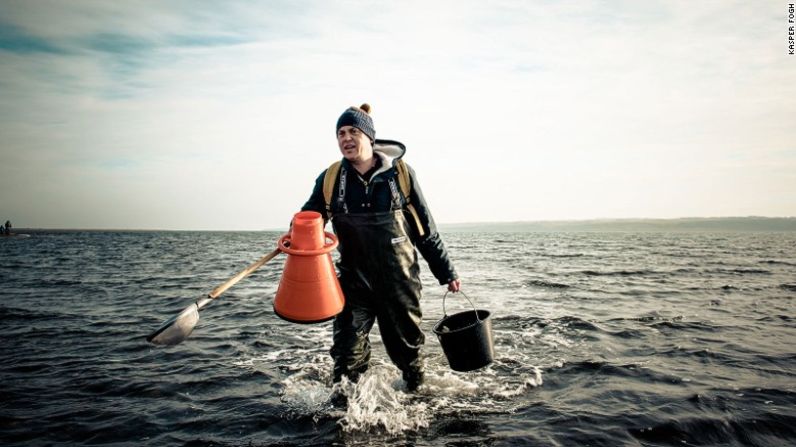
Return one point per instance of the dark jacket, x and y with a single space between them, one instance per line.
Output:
374 195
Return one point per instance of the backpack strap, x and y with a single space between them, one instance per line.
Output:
328 186
330 177
406 189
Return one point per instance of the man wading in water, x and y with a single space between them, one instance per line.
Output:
378 225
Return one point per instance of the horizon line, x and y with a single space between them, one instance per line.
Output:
442 224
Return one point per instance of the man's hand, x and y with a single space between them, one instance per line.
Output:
455 285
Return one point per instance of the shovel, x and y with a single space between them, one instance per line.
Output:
179 327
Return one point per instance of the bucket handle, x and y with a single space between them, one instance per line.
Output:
445 312
284 246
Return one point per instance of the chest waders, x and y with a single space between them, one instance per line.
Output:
379 275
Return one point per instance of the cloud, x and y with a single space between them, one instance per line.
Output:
15 40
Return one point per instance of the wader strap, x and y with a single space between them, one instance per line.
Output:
403 180
341 191
396 196
328 186
406 189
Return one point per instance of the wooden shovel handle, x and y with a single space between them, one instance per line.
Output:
243 273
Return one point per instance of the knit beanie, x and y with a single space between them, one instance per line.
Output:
358 117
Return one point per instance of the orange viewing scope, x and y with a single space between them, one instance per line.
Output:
309 291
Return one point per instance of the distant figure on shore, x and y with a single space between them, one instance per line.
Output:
7 229
2 229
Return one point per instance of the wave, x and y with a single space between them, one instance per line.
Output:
9 314
646 318
679 272
679 325
619 272
546 284
768 318
634 371
628 333
739 271
766 428
777 262
571 322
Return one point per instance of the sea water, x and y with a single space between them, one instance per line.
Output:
600 339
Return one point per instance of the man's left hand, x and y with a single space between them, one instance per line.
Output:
455 285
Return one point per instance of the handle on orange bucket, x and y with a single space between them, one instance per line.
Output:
445 312
284 246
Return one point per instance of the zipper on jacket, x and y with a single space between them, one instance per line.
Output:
366 184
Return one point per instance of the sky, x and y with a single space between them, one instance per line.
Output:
190 115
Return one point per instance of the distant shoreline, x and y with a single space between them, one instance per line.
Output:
685 224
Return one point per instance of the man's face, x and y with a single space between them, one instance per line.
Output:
354 144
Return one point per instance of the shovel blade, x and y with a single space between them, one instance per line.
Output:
177 328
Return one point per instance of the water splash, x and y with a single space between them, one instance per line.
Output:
378 402
305 394
526 381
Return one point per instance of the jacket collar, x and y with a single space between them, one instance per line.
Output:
388 151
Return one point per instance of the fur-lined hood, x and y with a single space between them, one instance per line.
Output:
388 151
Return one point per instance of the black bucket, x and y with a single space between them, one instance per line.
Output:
466 338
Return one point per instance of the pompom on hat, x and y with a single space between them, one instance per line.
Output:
358 117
